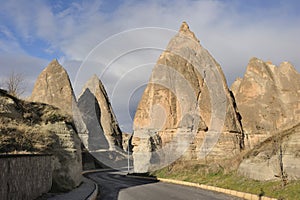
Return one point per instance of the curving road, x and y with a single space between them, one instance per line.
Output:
114 185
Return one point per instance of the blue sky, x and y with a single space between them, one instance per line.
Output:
32 33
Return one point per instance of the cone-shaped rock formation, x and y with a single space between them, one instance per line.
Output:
186 110
106 115
53 87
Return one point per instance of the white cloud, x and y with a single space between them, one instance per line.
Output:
231 30
28 66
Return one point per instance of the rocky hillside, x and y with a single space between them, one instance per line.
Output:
186 113
186 110
93 116
268 99
40 128
53 87
278 157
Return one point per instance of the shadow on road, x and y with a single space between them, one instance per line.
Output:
111 182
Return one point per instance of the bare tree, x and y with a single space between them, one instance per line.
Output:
1 84
281 172
15 84
279 149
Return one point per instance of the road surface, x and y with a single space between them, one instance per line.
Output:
114 185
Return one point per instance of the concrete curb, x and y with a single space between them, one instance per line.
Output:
94 194
243 195
88 190
217 189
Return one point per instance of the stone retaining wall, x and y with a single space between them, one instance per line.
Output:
24 176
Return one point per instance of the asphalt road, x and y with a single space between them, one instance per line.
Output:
115 185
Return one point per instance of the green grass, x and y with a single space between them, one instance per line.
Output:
232 181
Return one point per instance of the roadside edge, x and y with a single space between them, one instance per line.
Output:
239 194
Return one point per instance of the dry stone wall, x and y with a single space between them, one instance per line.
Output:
24 176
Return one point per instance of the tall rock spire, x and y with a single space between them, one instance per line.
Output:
106 116
185 30
53 87
185 104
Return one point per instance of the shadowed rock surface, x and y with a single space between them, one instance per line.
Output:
104 137
90 110
186 110
41 128
105 114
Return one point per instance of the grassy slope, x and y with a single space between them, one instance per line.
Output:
232 181
197 173
22 126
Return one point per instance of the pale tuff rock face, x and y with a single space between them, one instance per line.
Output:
105 114
181 105
263 162
268 99
185 29
235 86
53 87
